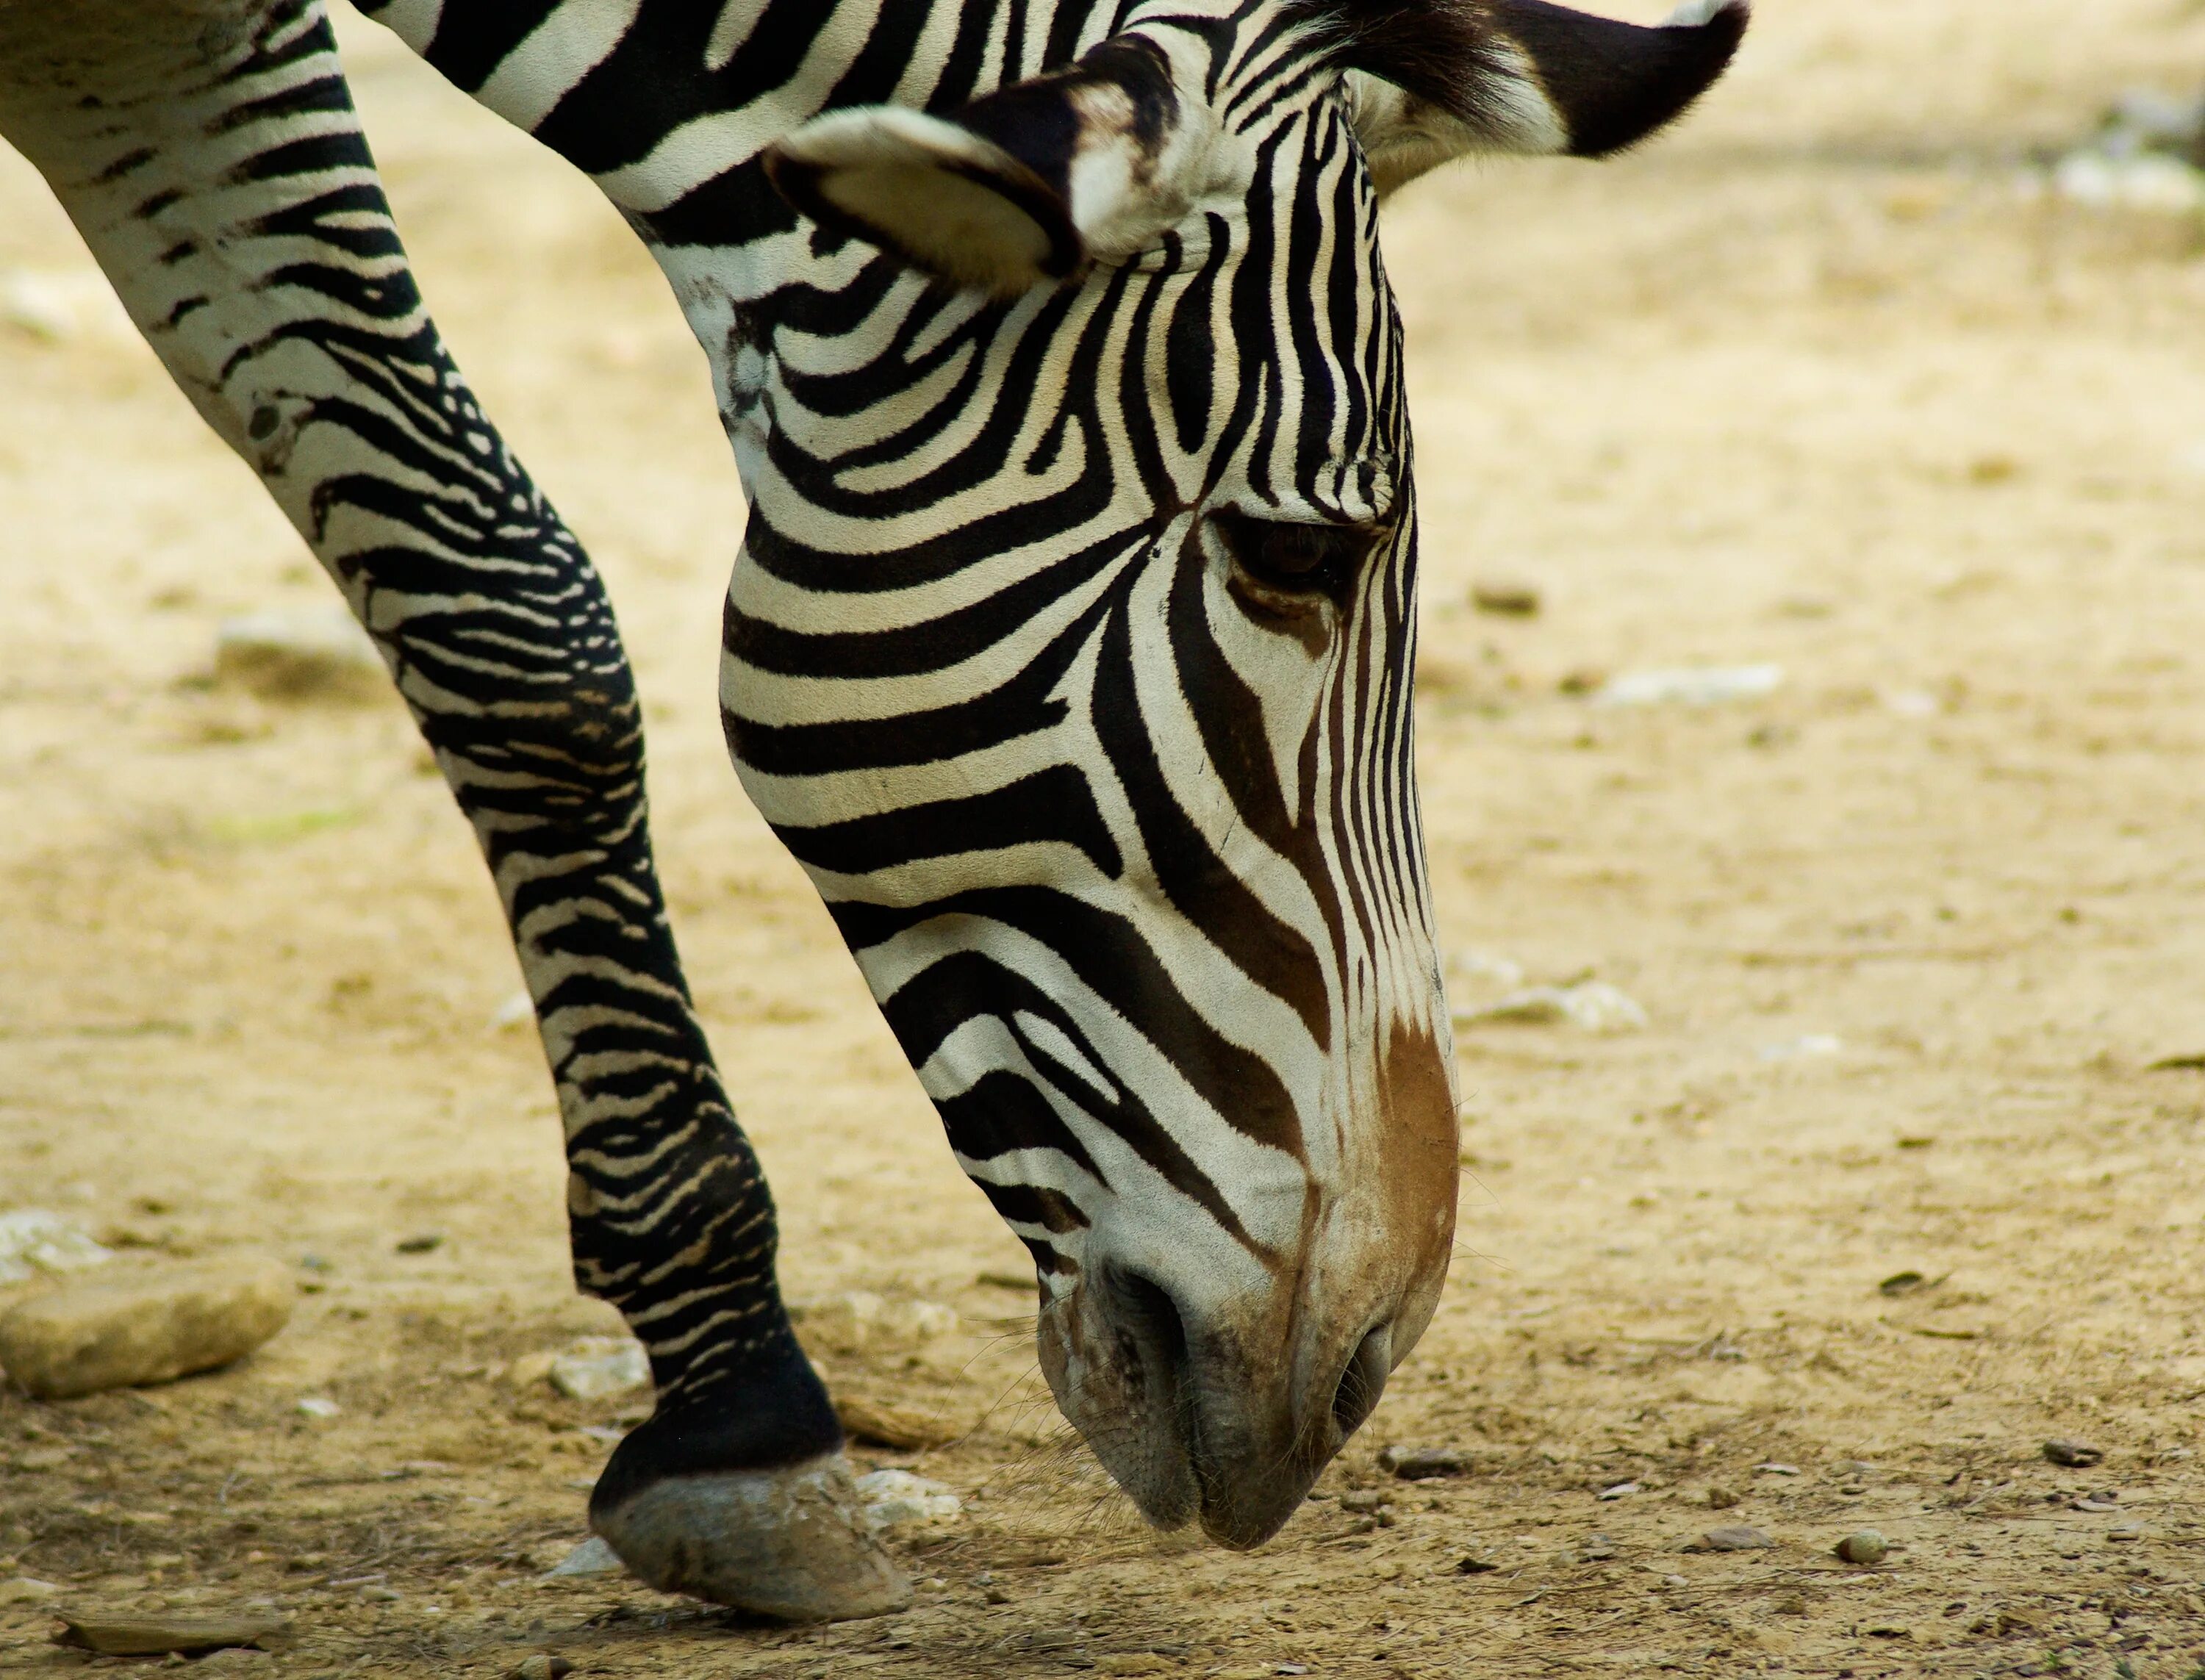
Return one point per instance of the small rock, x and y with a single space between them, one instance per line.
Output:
380 1595
897 1499
156 1635
1903 1283
24 1590
1621 1490
1806 1046
426 1242
2073 1454
591 1556
1362 1501
316 654
1476 1565
542 1666
1424 1463
2121 1531
319 1407
56 305
1134 1662
1865 1547
150 1329
2098 1503
1597 1548
1591 1006
1791 1604
598 1366
1776 1469
1733 1540
903 1428
1720 1498
33 1241
1506 598
859 1317
1694 686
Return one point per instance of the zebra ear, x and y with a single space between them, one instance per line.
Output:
1021 188
1434 80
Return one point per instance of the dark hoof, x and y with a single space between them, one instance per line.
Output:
792 1544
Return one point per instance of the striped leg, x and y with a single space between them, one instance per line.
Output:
211 158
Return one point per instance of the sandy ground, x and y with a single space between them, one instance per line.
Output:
1812 382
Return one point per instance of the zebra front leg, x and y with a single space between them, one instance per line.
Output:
211 158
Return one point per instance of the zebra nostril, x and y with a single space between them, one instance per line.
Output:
1364 1380
1150 1329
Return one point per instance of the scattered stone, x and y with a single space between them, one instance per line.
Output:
543 1665
1899 1284
1424 1463
898 1499
58 305
316 654
1720 1498
1807 1047
160 1633
298 654
1775 1469
25 1590
380 1594
319 1407
1732 1540
1021 1281
1591 1006
1476 1565
2073 1454
1134 1662
33 1241
154 1328
1362 1501
428 1242
598 1366
1791 1604
1506 598
2123 1532
1621 1490
858 1318
1864 1548
2106 1499
591 1556
1597 1548
902 1428
1690 686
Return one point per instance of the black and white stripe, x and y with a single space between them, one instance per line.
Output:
1067 649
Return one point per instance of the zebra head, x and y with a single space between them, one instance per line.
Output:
1070 652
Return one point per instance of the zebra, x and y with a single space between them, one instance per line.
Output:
1068 647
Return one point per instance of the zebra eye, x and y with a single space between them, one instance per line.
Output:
1289 567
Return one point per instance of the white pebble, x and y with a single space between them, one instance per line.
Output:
598 1366
897 1498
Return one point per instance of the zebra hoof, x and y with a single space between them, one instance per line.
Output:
792 1544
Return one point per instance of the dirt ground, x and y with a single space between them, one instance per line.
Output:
1817 382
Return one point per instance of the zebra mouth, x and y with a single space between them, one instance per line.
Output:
1187 1425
